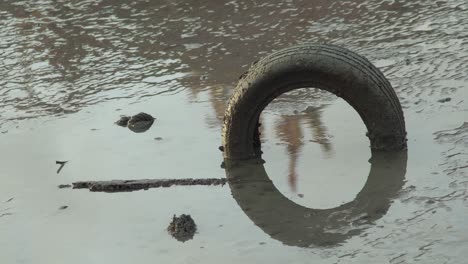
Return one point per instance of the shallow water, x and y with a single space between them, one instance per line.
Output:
69 69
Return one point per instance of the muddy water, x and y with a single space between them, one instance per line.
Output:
69 69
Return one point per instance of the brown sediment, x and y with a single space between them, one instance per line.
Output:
135 185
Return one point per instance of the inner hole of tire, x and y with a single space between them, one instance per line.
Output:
315 148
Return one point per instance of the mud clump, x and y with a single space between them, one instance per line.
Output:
182 228
123 121
138 123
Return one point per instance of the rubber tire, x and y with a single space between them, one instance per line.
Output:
327 67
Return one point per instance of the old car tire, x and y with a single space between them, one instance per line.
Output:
327 67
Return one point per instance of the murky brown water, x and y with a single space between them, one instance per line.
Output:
69 69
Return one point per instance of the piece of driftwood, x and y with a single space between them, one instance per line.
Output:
134 185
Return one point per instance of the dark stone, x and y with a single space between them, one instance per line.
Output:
140 122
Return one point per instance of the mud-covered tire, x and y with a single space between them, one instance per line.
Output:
326 67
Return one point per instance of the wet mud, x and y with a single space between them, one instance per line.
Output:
182 228
71 68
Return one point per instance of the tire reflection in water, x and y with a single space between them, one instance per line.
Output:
296 225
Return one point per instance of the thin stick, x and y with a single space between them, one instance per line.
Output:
134 185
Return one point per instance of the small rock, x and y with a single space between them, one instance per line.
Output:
300 195
444 100
140 122
221 148
123 121
137 123
182 228
430 201
158 138
63 186
63 207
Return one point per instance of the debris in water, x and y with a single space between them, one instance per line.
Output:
123 121
182 228
61 163
138 123
135 185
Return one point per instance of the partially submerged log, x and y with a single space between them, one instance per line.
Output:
134 185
